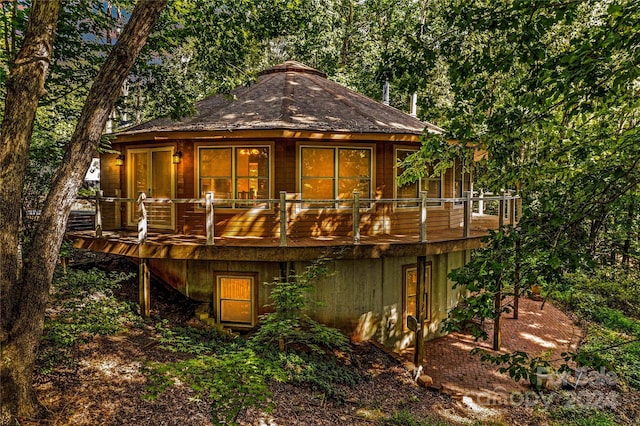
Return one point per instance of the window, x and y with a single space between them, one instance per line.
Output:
432 185
235 299
240 173
461 182
409 290
334 173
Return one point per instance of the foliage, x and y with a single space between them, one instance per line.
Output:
232 380
608 300
485 275
83 305
233 374
290 325
189 340
580 416
405 418
520 365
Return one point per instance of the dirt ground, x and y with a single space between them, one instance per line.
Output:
104 385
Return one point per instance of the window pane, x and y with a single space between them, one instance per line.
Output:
355 162
411 305
251 189
252 162
317 188
215 162
235 311
235 288
347 186
318 162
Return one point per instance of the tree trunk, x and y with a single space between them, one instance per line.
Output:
24 329
25 86
497 317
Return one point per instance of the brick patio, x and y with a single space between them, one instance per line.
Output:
460 374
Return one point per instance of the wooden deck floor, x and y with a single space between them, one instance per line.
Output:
181 246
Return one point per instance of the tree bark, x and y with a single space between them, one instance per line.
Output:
25 86
22 330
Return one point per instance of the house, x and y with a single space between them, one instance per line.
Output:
260 183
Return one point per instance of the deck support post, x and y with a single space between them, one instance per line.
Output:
118 213
423 216
144 287
98 216
467 214
356 217
501 211
142 218
283 218
512 210
209 218
420 310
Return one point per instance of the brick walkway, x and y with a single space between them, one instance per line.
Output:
460 374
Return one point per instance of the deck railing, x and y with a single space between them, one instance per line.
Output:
415 212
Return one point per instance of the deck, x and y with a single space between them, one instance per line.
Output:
165 245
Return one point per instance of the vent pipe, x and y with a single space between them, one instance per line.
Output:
385 93
413 111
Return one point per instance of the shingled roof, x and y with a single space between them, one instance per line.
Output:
291 96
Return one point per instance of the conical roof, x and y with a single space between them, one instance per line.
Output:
291 96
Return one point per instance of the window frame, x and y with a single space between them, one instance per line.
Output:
421 182
238 205
337 203
253 276
428 287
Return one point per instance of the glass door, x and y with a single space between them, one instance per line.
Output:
151 171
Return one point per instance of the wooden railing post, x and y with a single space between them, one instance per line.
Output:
481 202
118 212
98 216
356 217
423 216
209 218
283 218
142 218
467 214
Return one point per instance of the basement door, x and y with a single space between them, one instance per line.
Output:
152 172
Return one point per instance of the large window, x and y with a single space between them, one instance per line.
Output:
431 184
409 290
240 173
235 299
334 173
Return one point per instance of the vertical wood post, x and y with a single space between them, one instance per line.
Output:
501 211
420 310
423 216
283 218
209 218
118 212
142 218
356 217
144 287
481 202
516 276
497 307
512 210
467 214
98 216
